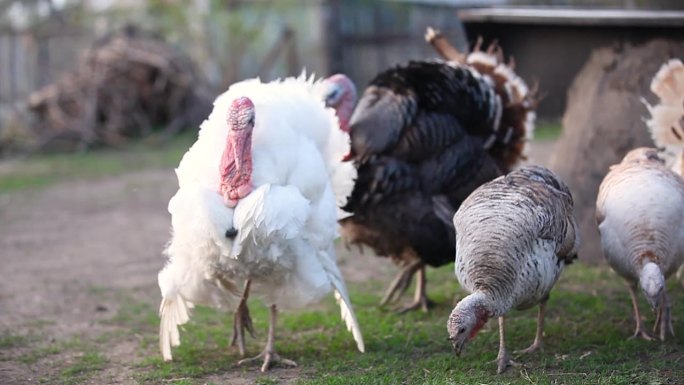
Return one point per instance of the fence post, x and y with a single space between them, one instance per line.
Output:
333 38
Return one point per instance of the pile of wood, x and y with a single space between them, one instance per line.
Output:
128 84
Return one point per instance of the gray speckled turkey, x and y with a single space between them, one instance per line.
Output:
640 216
514 235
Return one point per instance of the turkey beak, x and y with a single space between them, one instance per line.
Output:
655 302
457 346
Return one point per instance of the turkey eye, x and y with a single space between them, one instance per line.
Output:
461 330
332 97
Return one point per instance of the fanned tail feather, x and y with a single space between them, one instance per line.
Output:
440 43
518 100
516 125
668 83
666 123
174 313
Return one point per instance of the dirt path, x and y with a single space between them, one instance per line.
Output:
65 249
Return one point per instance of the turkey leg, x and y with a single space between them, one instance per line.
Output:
242 321
269 354
420 299
401 282
640 331
664 317
503 359
539 336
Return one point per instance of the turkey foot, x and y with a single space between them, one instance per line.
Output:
503 359
269 354
242 321
664 317
420 299
539 336
270 357
401 283
640 332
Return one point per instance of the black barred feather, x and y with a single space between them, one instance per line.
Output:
428 97
422 130
381 178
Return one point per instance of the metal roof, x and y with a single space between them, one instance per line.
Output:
565 16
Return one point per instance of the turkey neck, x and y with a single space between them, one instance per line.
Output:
483 303
345 109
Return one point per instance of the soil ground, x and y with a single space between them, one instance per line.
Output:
69 252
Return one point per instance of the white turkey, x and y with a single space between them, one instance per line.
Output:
514 236
265 151
640 216
425 130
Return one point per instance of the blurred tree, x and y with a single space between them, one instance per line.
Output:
220 36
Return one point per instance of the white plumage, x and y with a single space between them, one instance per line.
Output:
640 216
199 219
285 227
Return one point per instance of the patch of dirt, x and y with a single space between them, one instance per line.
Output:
65 250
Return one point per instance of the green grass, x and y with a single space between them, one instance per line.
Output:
9 340
587 328
44 169
82 368
588 323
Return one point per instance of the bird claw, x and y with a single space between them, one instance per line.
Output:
397 289
536 345
400 284
504 361
242 321
270 357
423 304
642 333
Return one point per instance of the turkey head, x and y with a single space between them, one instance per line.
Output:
236 162
339 92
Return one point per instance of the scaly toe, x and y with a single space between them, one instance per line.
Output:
531 349
503 365
275 358
423 305
641 333
270 359
504 362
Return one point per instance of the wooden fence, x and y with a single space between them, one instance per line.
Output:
367 37
29 62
